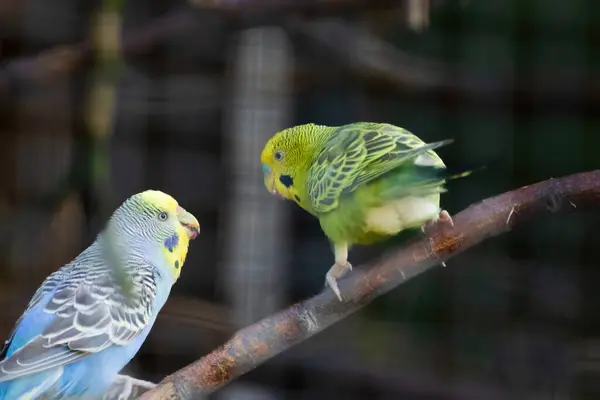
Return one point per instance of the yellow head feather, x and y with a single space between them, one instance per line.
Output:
182 225
158 199
286 158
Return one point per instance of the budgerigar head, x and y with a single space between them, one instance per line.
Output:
286 158
154 220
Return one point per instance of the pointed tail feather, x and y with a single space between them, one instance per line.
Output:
425 181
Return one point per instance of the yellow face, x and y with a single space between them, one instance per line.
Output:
280 165
175 226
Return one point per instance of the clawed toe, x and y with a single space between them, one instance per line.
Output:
445 217
336 272
332 283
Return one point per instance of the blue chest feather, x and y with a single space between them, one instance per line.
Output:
171 242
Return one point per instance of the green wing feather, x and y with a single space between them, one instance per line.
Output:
357 154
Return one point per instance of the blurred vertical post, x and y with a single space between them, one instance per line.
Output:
256 248
106 32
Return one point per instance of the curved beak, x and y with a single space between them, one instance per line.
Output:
268 180
189 222
267 176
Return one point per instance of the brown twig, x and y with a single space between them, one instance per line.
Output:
257 343
360 50
370 56
321 7
60 61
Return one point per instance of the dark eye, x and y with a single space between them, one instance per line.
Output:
279 155
163 216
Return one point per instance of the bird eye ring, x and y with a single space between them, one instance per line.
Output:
163 216
279 155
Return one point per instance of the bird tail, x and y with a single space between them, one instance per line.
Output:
449 174
425 181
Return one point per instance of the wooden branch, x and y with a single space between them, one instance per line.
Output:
257 343
320 7
370 56
363 52
58 62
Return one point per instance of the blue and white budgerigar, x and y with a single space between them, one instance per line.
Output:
85 323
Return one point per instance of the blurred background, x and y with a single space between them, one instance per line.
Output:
102 99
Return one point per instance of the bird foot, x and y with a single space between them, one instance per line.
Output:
444 216
126 388
337 271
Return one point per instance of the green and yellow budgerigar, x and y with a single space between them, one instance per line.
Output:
83 325
364 181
